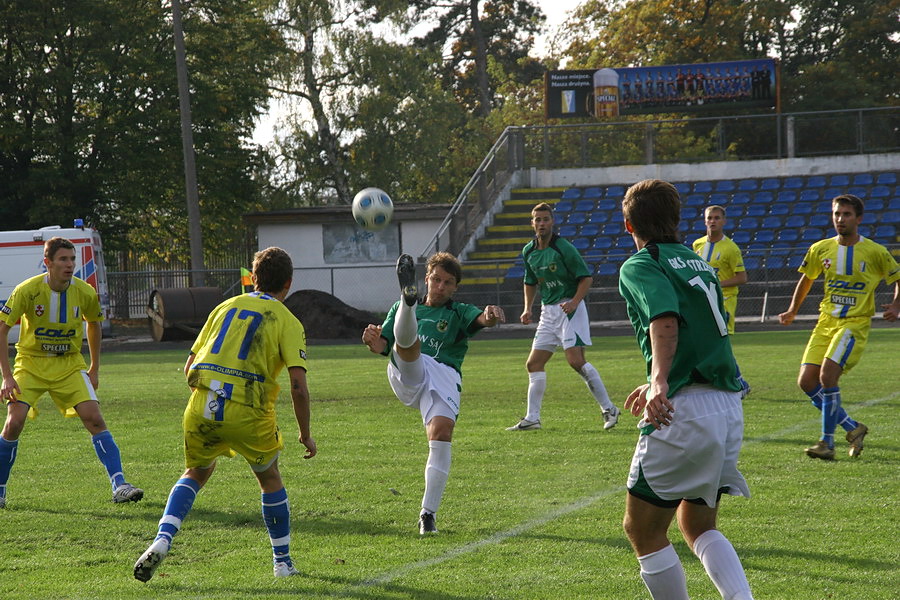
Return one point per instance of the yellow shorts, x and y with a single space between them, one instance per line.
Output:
730 309
214 427
64 377
840 340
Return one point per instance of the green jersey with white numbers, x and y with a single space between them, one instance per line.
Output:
443 330
556 269
671 280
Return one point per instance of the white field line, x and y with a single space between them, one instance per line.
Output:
565 510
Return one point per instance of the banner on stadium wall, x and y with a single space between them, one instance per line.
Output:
698 87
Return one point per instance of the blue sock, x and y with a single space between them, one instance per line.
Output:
181 499
277 516
7 458
830 405
843 419
108 453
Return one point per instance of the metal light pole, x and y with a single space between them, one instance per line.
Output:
198 269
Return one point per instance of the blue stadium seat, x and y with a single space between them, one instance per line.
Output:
831 192
771 222
886 179
894 204
880 191
820 220
815 181
842 180
764 236
612 228
602 242
858 191
811 234
741 237
793 183
683 226
571 194
607 204
581 243
563 206
891 216
787 235
887 233
592 192
748 223
719 198
823 207
779 208
689 212
616 192
576 218
774 261
756 210
787 196
795 259
683 187
874 205
796 221
584 206
770 184
747 185
740 198
515 272
599 216
810 195
762 198
781 248
751 263
589 230
802 208
616 216
567 231
863 179
625 242
703 187
695 200
607 269
735 211
725 185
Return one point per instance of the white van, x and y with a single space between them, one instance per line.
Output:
22 256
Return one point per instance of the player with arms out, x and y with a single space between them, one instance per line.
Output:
232 371
554 266
53 307
852 266
426 342
692 425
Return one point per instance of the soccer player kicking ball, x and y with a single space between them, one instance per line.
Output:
852 266
427 342
52 308
232 371
693 423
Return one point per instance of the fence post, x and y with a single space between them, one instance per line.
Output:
648 144
791 138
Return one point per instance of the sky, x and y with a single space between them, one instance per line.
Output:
555 11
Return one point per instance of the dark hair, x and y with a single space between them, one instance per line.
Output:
273 269
653 208
854 201
543 206
447 262
54 244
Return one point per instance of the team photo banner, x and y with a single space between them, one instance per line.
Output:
612 92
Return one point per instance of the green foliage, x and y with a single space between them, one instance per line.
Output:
543 507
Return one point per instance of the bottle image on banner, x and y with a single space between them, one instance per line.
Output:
606 93
568 101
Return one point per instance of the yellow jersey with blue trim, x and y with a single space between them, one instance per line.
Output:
51 322
243 346
851 275
725 257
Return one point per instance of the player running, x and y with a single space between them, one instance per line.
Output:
232 371
853 266
52 308
427 341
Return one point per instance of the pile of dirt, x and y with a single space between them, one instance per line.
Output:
327 318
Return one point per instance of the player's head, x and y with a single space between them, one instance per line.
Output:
542 219
272 270
54 245
59 258
847 214
652 210
714 217
443 273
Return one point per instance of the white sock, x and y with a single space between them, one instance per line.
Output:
663 574
722 565
406 327
537 383
595 384
437 470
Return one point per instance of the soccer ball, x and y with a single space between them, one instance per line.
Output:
372 209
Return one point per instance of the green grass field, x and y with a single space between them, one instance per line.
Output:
525 515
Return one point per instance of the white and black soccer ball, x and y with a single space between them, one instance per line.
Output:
372 209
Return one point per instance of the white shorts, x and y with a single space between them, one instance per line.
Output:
432 387
696 455
556 328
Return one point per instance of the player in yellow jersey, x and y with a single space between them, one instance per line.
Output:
52 308
852 267
232 372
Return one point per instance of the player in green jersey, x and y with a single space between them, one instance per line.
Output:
692 418
427 341
554 266
232 371
852 266
53 308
